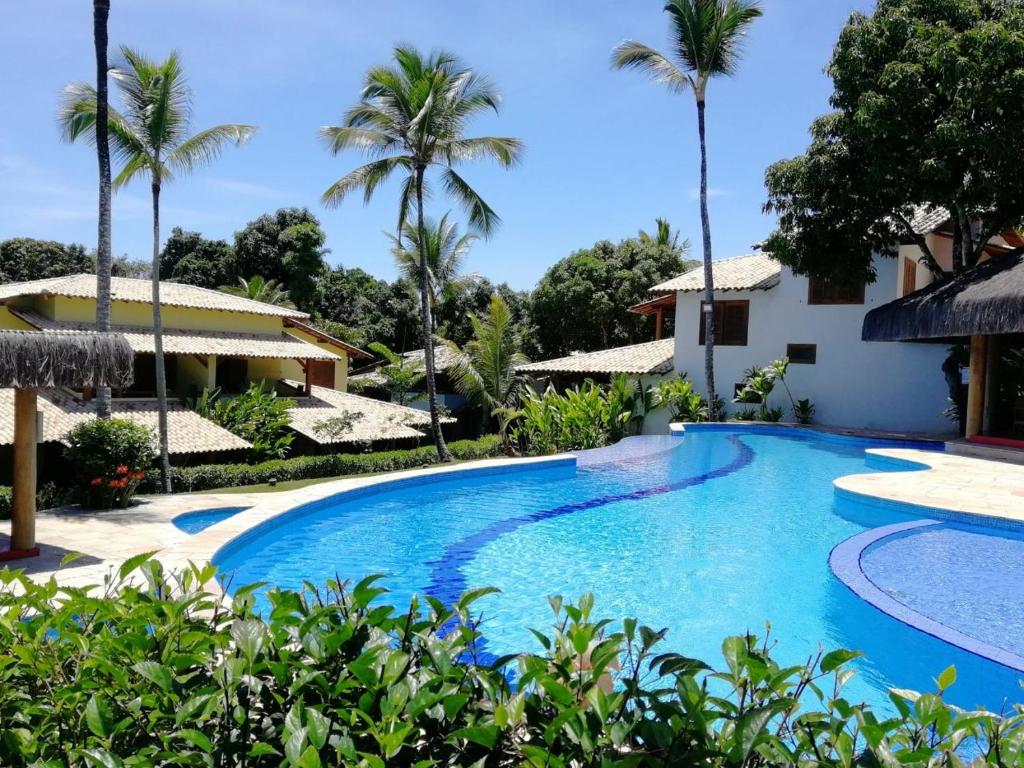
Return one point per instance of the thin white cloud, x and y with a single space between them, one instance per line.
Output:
249 189
693 193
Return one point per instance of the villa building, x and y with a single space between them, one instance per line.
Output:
211 340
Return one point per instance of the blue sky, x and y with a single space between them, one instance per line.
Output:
607 151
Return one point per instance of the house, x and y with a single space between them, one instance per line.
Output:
649 362
763 312
211 339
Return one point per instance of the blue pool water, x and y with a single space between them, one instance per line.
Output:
201 519
722 533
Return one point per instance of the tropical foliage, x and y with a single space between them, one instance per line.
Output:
683 401
706 37
108 458
758 385
413 116
150 139
25 258
188 257
902 135
151 669
485 370
259 289
588 416
400 375
257 415
446 251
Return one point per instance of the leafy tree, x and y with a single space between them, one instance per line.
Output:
581 302
257 415
151 139
413 116
921 90
258 289
140 269
368 309
446 253
706 37
486 370
401 375
286 246
24 258
454 313
188 257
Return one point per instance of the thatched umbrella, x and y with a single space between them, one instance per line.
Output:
978 303
30 360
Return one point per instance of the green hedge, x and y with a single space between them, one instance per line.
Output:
157 671
48 495
207 476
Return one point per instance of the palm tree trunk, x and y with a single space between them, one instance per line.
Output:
158 348
100 14
428 327
709 280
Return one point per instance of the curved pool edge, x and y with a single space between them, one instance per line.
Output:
219 539
842 435
845 563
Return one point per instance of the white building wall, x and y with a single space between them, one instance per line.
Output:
871 385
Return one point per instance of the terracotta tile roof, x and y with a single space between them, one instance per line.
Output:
187 431
141 291
647 358
189 342
379 420
444 358
750 272
927 220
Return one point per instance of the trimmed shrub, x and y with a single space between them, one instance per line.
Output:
208 476
47 495
107 459
156 671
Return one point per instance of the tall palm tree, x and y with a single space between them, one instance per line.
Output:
446 253
100 14
150 138
486 372
706 36
412 116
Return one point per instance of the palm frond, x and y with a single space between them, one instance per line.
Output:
482 217
507 151
633 55
338 138
135 166
207 145
707 34
367 177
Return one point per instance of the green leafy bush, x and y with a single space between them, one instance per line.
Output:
257 415
208 476
47 495
685 403
584 417
156 671
107 460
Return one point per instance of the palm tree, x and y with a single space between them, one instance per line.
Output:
446 253
100 14
663 236
486 370
706 36
259 289
150 139
412 117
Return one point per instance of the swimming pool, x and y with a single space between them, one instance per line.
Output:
708 535
201 519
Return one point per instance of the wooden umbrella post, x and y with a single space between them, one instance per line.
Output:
23 513
976 385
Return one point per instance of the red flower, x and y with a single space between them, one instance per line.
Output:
122 470
138 475
96 481
112 484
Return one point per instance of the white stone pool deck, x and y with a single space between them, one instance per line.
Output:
104 539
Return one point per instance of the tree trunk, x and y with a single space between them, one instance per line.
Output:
709 280
158 345
427 323
100 13
958 238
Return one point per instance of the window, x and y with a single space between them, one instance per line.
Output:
144 382
909 276
802 354
827 292
231 374
730 323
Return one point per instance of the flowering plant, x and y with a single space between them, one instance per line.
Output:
109 459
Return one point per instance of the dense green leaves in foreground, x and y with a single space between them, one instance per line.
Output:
152 670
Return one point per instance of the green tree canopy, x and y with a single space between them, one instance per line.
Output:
188 257
455 311
926 98
369 309
25 258
286 246
581 303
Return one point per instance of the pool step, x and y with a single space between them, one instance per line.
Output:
989 452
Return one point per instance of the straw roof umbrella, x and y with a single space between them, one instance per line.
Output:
30 360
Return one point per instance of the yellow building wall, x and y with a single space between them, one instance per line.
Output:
193 373
77 310
11 323
340 365
264 369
